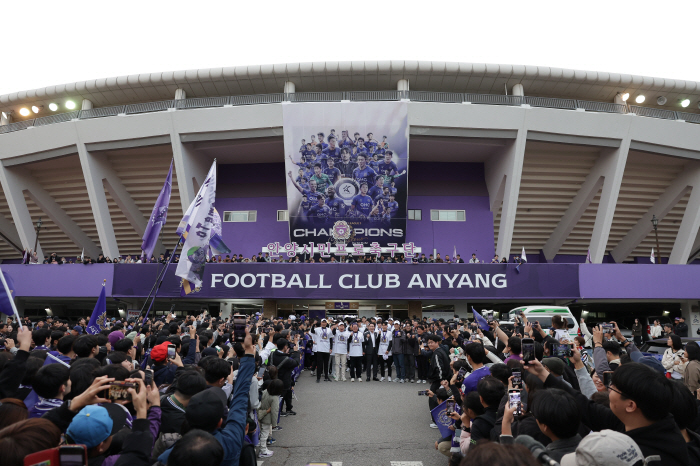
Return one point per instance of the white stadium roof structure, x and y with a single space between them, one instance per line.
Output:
569 166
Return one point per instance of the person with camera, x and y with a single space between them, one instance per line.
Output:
439 367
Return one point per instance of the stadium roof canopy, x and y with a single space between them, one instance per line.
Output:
476 78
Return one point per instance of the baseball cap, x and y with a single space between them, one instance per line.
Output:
115 337
206 408
78 329
159 353
397 322
604 448
555 365
651 361
324 320
91 426
209 352
677 318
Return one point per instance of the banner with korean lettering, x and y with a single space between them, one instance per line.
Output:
346 167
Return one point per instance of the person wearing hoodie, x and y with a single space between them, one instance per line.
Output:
685 412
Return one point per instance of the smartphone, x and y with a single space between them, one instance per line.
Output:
118 391
261 372
423 393
514 401
489 317
561 350
149 377
450 407
517 379
606 327
607 378
528 348
462 372
239 328
171 352
65 455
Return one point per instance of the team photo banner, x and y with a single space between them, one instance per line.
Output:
347 170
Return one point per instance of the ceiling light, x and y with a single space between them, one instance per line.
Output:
70 105
685 103
37 109
24 112
640 99
625 96
53 107
661 100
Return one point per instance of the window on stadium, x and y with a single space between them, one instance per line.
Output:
282 216
241 216
447 216
415 214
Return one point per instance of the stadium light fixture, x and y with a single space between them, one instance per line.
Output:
685 103
661 100
37 108
70 105
24 111
625 96
640 99
53 107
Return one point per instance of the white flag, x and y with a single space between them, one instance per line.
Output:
588 257
523 256
82 256
199 225
652 258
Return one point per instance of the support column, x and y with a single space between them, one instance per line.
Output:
86 105
191 170
269 310
180 94
415 308
518 90
93 172
289 87
503 174
5 118
689 177
402 85
615 161
690 310
690 225
13 188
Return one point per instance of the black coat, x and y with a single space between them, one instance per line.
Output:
284 371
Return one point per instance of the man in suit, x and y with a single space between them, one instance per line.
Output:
371 344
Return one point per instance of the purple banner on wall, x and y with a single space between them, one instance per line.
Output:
361 281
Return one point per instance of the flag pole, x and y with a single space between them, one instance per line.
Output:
159 282
12 302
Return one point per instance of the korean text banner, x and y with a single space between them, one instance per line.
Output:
346 167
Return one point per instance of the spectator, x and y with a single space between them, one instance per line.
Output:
51 383
637 332
476 357
681 327
473 260
188 383
268 413
196 447
558 417
674 354
685 412
691 374
655 330
12 411
26 437
605 448
491 391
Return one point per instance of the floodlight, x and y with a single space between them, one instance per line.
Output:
53 107
37 108
640 99
24 111
70 105
685 103
625 96
661 100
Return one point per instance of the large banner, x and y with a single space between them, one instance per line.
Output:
347 172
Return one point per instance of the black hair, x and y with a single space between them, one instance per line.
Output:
515 345
123 345
441 394
33 365
84 345
612 346
215 368
476 352
115 371
676 343
40 335
81 375
651 391
501 371
491 390
196 447
684 407
276 387
116 357
49 378
473 401
65 344
190 381
557 410
435 338
693 350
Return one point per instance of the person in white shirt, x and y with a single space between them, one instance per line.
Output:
473 260
355 352
655 330
384 351
340 348
322 337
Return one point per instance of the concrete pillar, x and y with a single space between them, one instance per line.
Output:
690 225
180 94
13 188
190 170
616 160
86 105
415 308
402 85
269 309
289 87
5 118
518 90
94 172
618 99
690 310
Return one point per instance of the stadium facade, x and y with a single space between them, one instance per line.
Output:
502 158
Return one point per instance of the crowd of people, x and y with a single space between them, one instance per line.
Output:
177 391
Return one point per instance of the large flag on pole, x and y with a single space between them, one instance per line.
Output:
158 216
98 320
523 257
652 258
7 298
479 319
197 229
442 419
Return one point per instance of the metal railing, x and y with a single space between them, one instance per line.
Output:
357 96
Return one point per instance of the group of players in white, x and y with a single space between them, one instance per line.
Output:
368 162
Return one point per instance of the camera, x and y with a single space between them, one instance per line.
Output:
118 391
528 349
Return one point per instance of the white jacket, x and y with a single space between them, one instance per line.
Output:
670 357
655 331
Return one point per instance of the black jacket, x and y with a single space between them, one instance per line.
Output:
367 345
482 425
681 329
284 371
439 365
12 374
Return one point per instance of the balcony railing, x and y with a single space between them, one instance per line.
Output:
356 96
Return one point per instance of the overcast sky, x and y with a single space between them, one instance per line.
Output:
63 42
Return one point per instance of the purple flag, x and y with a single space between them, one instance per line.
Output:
98 320
158 216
